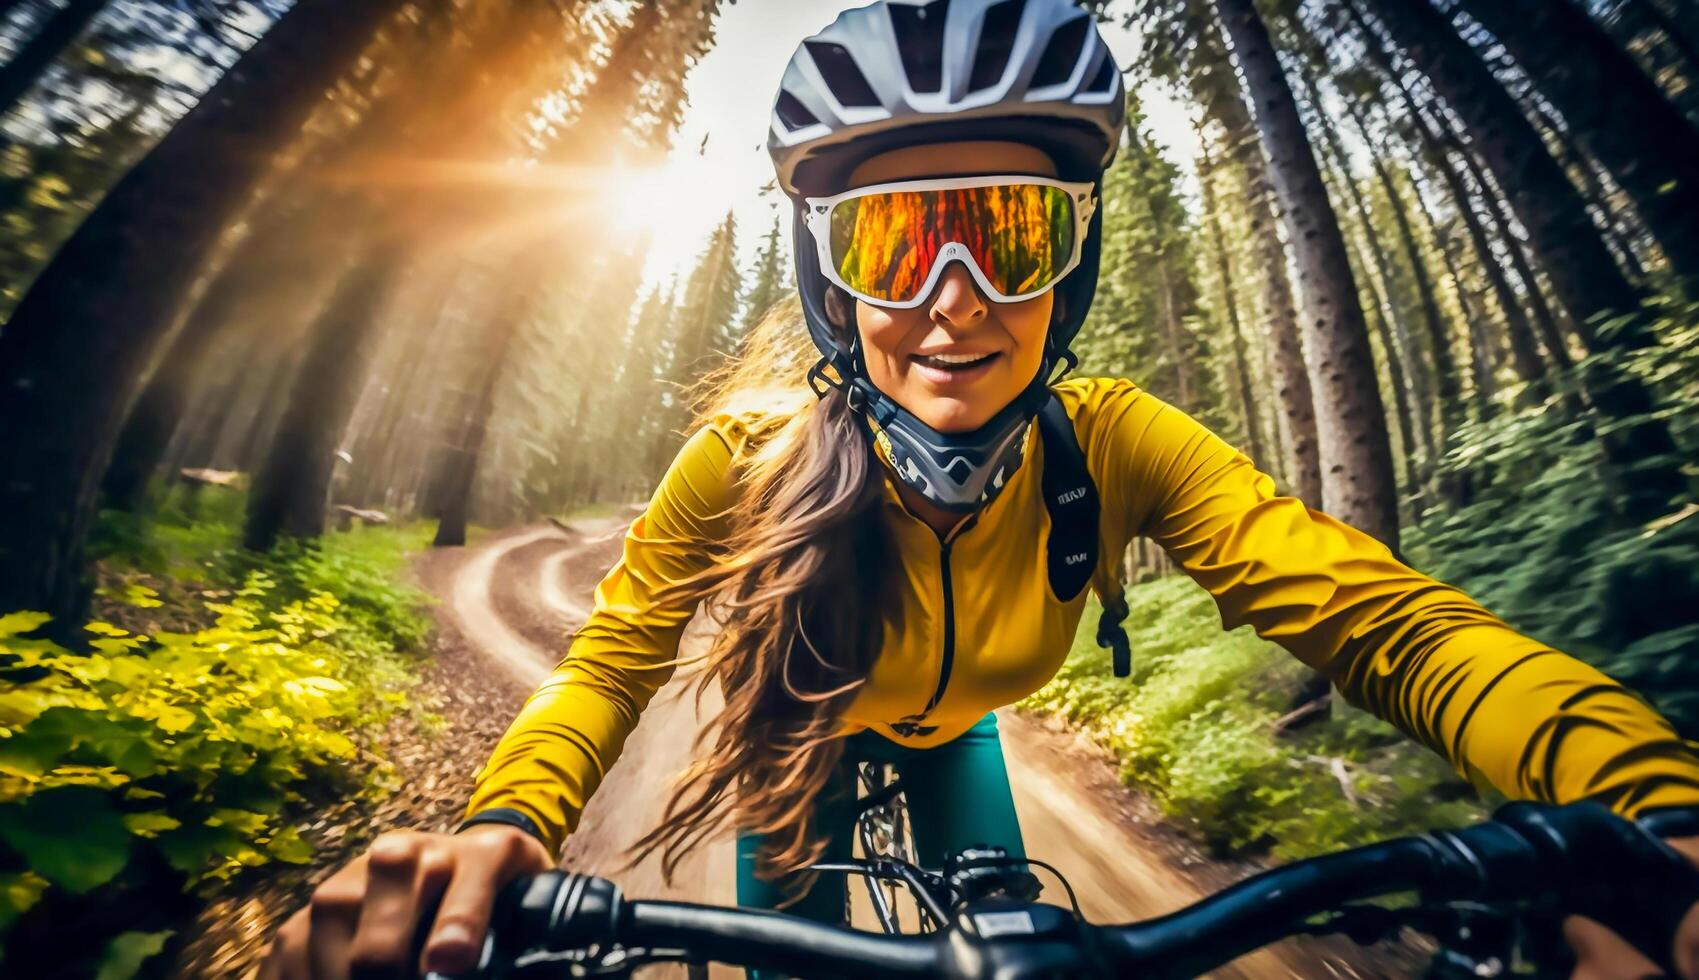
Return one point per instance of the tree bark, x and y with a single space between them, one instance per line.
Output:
1412 386
1616 112
1524 353
1583 274
64 26
292 486
1585 278
1224 269
1297 418
1358 485
86 336
1447 379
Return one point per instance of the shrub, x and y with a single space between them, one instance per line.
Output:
1193 729
221 695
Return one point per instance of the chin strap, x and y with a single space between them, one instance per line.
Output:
1070 495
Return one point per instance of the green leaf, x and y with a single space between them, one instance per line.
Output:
17 623
289 846
69 835
128 951
18 892
190 849
33 752
150 824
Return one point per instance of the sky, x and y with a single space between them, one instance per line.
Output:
731 94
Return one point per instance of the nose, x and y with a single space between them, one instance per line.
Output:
958 301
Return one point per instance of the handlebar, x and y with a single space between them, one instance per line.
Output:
1576 859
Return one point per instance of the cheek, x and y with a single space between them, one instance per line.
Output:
1028 323
884 333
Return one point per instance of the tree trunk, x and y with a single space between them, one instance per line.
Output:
1297 418
292 486
86 335
1585 278
1418 449
1524 354
459 471
1622 234
159 411
38 54
1616 112
1412 387
1358 485
1175 336
1224 269
1447 379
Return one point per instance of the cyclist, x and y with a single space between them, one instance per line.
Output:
888 555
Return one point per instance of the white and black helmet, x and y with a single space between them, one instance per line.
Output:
906 71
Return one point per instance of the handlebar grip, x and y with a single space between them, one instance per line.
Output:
1619 874
563 910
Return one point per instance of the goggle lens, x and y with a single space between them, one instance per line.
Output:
885 245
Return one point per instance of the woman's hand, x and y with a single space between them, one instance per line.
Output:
361 920
1602 955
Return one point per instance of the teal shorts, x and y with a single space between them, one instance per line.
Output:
958 796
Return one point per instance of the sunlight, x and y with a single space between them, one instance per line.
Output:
645 202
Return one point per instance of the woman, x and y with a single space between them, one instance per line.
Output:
890 560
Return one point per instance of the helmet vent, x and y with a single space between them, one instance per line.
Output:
996 39
920 42
1061 54
1106 72
793 114
846 82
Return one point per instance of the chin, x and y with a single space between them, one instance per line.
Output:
954 417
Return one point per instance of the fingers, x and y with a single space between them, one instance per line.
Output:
457 937
404 874
1602 955
287 958
361 921
331 916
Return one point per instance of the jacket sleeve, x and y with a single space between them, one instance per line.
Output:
1505 709
572 728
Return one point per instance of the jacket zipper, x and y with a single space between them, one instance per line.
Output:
912 724
947 660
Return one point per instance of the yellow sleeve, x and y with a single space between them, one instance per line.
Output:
1532 722
571 730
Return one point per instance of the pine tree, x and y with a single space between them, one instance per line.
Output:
772 279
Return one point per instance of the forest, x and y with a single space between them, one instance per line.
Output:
295 292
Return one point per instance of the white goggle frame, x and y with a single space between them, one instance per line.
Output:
820 227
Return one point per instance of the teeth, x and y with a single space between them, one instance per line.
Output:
953 360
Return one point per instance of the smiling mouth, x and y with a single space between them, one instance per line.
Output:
954 362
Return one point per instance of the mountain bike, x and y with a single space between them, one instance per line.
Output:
1482 891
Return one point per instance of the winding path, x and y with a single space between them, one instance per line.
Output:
516 596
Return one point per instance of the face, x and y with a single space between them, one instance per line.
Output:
958 358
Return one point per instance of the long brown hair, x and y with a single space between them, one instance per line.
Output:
796 591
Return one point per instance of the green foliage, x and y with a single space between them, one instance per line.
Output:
192 747
1147 321
1545 541
1193 728
187 743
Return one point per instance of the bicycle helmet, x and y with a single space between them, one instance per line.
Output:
901 72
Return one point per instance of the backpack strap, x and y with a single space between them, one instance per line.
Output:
1072 551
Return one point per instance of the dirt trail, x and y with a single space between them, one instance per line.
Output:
515 597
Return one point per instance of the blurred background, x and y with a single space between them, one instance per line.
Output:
292 292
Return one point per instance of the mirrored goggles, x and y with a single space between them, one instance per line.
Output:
888 244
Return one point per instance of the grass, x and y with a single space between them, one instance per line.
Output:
1194 729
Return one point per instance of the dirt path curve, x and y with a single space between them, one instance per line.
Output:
517 595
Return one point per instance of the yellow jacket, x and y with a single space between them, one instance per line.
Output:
977 617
